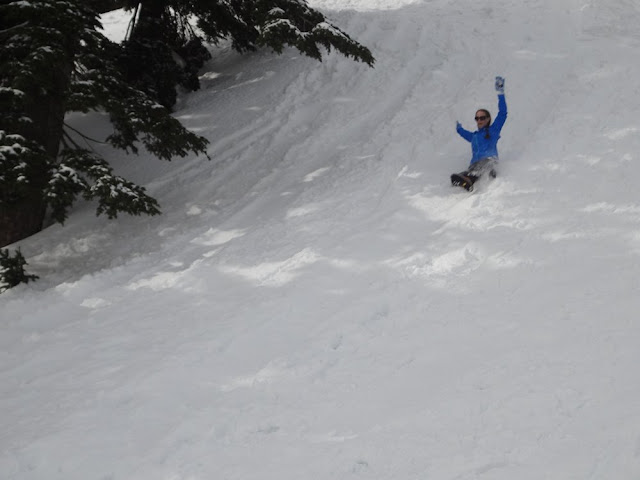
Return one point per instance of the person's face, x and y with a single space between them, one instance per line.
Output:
482 119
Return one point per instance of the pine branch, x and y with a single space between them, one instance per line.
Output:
68 137
7 31
132 23
85 137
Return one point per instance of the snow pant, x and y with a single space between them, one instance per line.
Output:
486 165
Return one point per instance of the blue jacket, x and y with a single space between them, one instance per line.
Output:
483 147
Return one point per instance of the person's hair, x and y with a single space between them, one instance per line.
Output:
487 135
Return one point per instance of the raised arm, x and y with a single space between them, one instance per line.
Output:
466 134
502 106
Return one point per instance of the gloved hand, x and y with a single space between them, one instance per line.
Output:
500 85
458 126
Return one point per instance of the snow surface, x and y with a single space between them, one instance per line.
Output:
317 302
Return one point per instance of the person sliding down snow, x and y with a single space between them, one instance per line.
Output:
484 142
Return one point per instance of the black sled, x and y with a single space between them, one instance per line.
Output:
464 181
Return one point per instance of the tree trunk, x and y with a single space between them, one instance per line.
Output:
21 220
149 24
23 215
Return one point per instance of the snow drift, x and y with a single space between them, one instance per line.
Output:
318 302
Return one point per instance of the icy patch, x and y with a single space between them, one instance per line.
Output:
621 133
459 261
166 231
214 237
530 55
95 303
344 264
194 210
313 175
257 79
503 261
405 173
343 100
160 281
266 375
590 160
634 239
168 280
605 207
333 437
302 211
559 236
73 248
275 274
210 75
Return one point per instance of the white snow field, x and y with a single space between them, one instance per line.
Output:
317 302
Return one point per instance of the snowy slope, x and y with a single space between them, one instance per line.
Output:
317 302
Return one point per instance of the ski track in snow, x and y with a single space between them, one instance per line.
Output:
317 302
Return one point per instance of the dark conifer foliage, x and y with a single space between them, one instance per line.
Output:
54 61
12 271
164 49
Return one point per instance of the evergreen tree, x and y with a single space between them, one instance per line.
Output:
164 49
12 270
54 61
